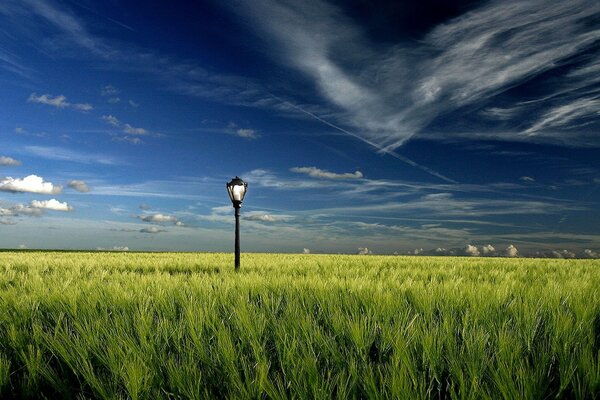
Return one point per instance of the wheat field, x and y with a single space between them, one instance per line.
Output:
185 325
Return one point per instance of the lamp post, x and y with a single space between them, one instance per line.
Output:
237 190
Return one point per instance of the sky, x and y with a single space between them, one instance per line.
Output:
373 127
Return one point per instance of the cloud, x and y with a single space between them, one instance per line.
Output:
305 251
7 221
134 131
29 184
562 254
59 101
114 100
471 250
315 172
561 116
109 90
247 133
20 209
590 253
158 218
112 120
80 186
390 94
133 104
51 204
128 139
152 229
114 248
488 250
62 154
263 217
527 179
9 162
363 251
511 251
144 206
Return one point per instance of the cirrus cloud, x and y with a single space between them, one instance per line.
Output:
315 172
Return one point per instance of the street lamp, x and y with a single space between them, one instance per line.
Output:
237 190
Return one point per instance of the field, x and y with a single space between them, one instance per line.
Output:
183 325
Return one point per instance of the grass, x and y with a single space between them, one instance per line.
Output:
183 325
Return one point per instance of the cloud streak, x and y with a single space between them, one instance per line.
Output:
390 95
315 172
59 101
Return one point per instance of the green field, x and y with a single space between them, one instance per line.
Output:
184 325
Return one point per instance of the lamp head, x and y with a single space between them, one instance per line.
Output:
237 190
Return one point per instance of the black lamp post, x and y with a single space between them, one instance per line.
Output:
237 190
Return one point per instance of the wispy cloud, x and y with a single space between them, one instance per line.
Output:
59 101
389 96
315 172
134 131
63 154
109 90
111 120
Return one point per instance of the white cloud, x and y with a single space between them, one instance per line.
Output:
471 250
562 254
78 185
128 139
59 101
562 115
590 253
158 218
110 119
315 172
363 251
527 179
264 217
133 104
109 90
114 248
63 154
134 131
511 251
114 100
51 204
247 133
305 251
416 252
389 95
152 229
9 162
29 184
488 249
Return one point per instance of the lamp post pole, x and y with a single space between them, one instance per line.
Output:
237 190
237 236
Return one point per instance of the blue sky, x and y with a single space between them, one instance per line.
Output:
431 128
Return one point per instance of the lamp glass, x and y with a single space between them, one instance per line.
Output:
237 190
